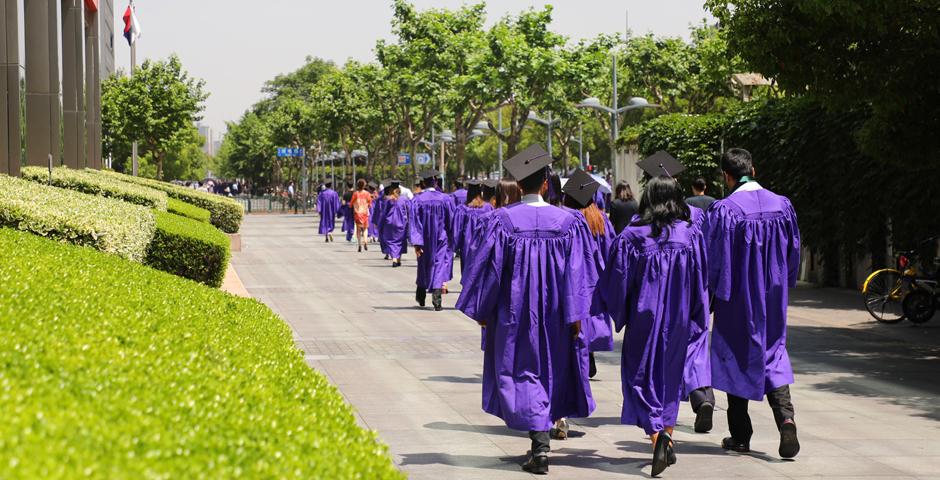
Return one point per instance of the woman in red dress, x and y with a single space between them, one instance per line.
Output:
360 203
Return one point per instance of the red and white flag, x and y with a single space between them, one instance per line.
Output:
131 26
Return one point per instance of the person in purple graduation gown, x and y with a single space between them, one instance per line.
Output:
470 219
395 224
579 197
430 230
345 211
379 215
327 206
655 287
460 192
527 286
754 256
373 228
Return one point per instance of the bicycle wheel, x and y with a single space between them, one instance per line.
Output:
919 306
883 293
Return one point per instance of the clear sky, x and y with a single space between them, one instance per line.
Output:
236 45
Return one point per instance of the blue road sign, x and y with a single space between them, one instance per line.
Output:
290 152
423 158
404 159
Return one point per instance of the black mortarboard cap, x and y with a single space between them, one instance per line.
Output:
581 187
528 162
387 182
373 185
490 183
661 163
429 173
473 181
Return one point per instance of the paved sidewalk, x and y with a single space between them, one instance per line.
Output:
867 395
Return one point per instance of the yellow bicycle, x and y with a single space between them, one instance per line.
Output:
884 292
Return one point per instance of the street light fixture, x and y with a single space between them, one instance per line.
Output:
614 112
548 124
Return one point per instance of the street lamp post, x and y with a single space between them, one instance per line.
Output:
614 113
548 124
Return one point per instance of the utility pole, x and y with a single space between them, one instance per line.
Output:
135 164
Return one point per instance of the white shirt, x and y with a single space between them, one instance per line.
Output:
406 192
751 186
534 200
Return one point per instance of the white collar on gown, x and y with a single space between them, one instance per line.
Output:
534 200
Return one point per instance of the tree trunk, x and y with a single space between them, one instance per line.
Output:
414 160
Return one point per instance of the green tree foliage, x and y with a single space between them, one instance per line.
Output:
884 54
156 107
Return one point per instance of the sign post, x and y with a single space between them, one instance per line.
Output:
295 152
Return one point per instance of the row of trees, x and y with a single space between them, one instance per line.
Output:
446 70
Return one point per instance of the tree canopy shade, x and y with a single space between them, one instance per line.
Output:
156 107
881 53
444 69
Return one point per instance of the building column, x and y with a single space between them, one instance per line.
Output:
92 90
10 108
72 79
42 82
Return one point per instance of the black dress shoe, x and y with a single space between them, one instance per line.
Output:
386 257
789 444
703 418
671 451
438 308
729 443
661 454
537 464
593 368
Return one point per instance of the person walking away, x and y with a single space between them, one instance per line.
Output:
361 203
395 224
458 224
459 192
623 207
655 287
349 224
579 199
430 230
753 243
327 206
698 198
527 286
702 399
378 213
473 212
373 229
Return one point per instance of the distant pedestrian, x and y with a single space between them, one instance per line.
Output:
397 212
623 207
349 224
699 198
327 206
361 203
430 231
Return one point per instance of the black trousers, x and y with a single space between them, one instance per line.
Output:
700 396
739 422
421 294
541 442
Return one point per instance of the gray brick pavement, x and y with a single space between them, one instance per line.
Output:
867 396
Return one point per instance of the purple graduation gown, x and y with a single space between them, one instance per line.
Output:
395 226
656 288
754 257
377 219
527 282
460 196
430 228
373 228
349 224
327 206
457 226
597 329
472 223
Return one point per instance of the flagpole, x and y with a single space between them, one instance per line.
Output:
134 162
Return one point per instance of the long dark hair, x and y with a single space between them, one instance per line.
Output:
553 196
662 204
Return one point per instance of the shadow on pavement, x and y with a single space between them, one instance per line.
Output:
588 460
466 427
454 379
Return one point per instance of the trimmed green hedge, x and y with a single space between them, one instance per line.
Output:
226 214
84 182
113 370
107 224
189 248
184 209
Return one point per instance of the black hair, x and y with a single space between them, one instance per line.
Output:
737 163
533 183
662 204
328 184
623 191
699 184
554 193
429 182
